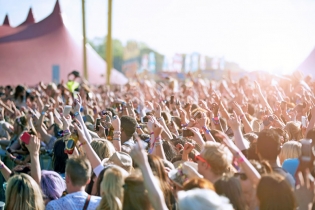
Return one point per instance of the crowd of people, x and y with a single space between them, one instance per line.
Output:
242 144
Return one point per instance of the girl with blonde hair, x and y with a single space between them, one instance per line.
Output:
112 189
290 150
294 130
103 148
23 192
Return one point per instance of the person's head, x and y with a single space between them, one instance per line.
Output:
294 130
273 192
284 136
52 185
112 188
23 192
19 92
230 187
78 173
215 159
120 159
8 89
103 148
135 194
202 199
198 183
54 130
289 150
59 157
268 145
51 89
19 125
128 127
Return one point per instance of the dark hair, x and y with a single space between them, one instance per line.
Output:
110 109
59 157
268 144
274 192
169 150
230 187
18 90
129 125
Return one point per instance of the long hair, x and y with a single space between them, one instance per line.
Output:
112 189
230 187
158 169
273 192
23 192
135 195
59 158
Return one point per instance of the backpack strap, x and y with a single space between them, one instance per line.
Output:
87 201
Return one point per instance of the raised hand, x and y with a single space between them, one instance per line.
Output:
234 122
77 103
34 145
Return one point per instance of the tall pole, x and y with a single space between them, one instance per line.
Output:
109 59
85 70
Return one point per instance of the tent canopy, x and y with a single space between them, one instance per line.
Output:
46 51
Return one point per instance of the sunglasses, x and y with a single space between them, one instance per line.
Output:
201 159
242 176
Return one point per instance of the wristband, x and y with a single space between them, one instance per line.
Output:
216 118
43 113
206 130
82 144
76 114
241 117
1 166
116 139
151 133
138 127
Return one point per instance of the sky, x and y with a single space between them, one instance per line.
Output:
271 35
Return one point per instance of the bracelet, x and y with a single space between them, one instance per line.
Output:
151 133
1 166
241 117
159 119
116 139
158 138
138 127
117 132
43 113
82 144
184 125
76 114
158 143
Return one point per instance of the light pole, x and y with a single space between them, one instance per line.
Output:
85 70
109 58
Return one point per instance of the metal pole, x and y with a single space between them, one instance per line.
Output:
85 70
109 59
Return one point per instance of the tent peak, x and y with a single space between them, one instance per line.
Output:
29 19
6 20
57 9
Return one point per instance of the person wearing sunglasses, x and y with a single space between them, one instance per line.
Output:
214 160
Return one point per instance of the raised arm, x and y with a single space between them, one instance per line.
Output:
155 193
90 153
235 124
33 147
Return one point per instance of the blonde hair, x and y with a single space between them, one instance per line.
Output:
103 148
218 156
294 130
112 188
290 149
23 192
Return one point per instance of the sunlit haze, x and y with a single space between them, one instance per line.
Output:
258 34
